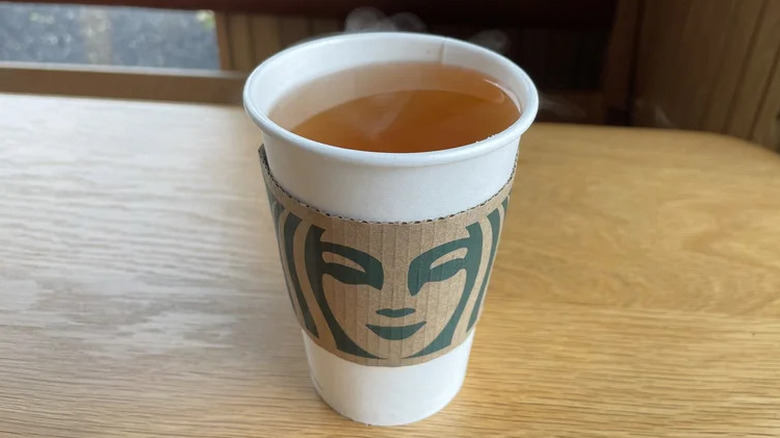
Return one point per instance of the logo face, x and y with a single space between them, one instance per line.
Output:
386 294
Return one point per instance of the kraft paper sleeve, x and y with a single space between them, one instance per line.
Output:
389 293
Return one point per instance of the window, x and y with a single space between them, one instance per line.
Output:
123 36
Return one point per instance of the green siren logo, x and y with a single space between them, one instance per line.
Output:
386 294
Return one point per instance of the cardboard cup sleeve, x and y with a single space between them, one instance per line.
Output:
386 293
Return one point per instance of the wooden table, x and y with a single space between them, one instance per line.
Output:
636 291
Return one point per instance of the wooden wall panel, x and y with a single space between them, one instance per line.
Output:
739 31
756 71
324 26
766 130
293 30
711 65
266 35
703 34
658 62
241 42
620 61
223 41
246 40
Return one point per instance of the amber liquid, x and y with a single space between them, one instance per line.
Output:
405 107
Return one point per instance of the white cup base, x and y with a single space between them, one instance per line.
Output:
387 396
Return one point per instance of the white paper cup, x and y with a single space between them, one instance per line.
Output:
384 187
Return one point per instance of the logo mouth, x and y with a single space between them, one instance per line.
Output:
395 333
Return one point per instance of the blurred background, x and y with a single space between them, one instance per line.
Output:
687 64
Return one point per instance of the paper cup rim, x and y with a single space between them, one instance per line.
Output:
529 107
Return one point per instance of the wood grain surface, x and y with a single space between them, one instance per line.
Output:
636 292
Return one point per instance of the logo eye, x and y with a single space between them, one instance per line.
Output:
445 267
352 266
338 259
459 253
437 264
